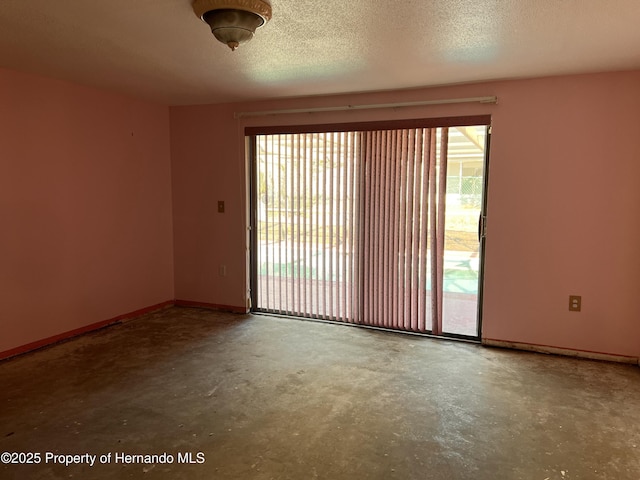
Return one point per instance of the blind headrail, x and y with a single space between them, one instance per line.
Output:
339 108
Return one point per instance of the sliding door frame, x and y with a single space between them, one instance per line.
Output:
251 145
252 157
482 227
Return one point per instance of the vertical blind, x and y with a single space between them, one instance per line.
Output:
350 226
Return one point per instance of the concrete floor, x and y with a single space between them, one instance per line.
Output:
272 398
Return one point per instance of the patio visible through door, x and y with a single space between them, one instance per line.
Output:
376 227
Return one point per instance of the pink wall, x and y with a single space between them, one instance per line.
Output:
207 167
85 207
88 233
564 202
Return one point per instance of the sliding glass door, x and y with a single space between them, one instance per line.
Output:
372 227
465 208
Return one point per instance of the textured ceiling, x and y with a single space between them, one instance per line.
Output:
159 50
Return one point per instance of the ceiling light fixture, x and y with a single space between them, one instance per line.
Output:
233 22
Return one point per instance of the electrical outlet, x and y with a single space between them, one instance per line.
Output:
575 303
220 206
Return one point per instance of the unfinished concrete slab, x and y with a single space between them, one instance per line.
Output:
226 396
